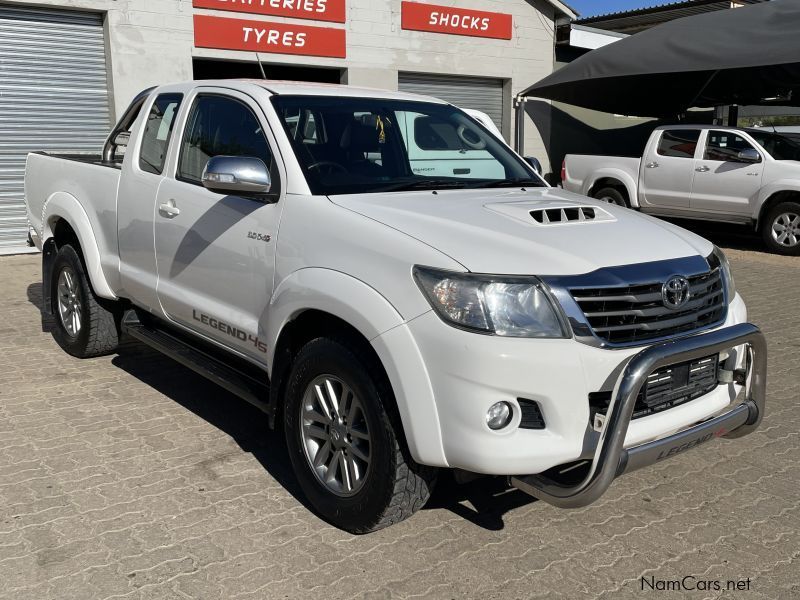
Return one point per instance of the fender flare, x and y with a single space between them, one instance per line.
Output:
610 173
769 190
62 205
362 307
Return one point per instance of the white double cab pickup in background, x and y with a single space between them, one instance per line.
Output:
397 289
749 176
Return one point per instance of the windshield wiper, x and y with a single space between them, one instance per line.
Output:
424 184
514 182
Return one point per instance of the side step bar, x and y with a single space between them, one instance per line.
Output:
248 386
611 459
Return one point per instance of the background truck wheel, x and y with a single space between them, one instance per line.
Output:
612 196
84 327
343 444
781 228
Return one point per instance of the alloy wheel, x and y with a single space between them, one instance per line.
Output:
610 200
335 435
69 302
786 229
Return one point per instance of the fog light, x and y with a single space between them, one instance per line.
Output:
498 415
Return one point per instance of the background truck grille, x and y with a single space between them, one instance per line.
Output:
637 313
666 388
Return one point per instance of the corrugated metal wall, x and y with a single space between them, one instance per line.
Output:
53 97
477 93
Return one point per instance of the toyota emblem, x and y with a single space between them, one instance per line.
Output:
675 292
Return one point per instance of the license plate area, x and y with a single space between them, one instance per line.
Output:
665 388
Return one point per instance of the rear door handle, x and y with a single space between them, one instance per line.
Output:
169 209
702 169
652 165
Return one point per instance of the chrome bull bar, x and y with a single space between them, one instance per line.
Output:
611 459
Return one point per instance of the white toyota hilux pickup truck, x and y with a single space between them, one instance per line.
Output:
397 289
705 172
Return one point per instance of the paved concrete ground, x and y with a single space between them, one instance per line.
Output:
130 477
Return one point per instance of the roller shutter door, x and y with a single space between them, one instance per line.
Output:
478 93
53 97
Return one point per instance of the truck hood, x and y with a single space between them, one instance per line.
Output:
498 231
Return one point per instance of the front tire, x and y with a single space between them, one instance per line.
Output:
780 229
343 444
84 327
612 196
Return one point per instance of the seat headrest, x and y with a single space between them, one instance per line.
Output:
361 137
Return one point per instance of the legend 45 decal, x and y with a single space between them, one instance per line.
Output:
230 330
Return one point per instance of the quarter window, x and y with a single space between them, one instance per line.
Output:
678 143
157 132
431 133
220 126
725 146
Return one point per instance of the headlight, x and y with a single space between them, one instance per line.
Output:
719 257
508 306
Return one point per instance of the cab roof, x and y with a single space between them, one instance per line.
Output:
305 88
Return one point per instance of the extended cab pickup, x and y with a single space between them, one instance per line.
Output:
749 176
397 289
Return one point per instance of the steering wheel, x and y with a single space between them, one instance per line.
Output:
332 166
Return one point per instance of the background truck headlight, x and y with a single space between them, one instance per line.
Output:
499 305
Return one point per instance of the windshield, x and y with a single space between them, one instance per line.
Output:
780 147
363 145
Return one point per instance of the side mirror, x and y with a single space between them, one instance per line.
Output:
534 163
236 175
749 155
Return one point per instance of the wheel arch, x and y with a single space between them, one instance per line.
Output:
774 197
314 303
64 221
614 179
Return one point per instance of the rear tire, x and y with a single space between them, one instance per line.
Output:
352 463
780 229
84 327
612 196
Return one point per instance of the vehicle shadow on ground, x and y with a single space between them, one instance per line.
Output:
482 502
34 293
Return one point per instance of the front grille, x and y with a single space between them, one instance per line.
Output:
666 388
637 313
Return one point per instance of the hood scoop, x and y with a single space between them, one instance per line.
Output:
552 212
569 214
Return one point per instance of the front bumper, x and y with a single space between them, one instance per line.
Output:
465 373
611 459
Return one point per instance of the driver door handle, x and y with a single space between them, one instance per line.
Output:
168 209
652 165
702 169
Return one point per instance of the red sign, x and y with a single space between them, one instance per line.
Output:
458 21
263 36
319 10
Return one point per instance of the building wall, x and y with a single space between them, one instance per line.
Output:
150 42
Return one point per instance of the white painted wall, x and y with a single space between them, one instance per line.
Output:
592 38
151 42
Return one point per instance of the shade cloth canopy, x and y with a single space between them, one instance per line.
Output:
748 55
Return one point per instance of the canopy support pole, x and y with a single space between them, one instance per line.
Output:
702 89
733 115
519 124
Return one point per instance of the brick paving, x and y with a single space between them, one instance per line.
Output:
130 477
